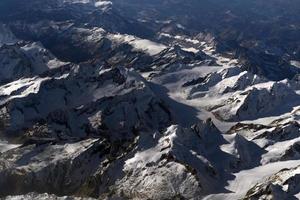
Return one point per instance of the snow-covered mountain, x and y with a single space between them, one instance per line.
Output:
154 99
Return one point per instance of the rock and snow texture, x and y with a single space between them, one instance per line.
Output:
261 100
179 164
44 196
83 102
26 60
114 134
235 95
282 185
91 111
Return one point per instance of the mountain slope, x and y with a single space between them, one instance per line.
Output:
166 99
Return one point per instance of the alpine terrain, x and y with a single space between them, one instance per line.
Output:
149 100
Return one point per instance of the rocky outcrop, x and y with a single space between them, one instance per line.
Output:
26 60
260 100
282 185
81 103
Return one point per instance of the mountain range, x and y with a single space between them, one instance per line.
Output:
161 99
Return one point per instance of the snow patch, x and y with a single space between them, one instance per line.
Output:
152 48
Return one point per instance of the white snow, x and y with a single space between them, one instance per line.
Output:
103 3
246 179
21 87
276 151
295 63
176 97
152 48
179 37
4 146
191 49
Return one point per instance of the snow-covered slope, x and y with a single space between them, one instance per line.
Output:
83 101
97 102
179 164
281 185
26 60
261 100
